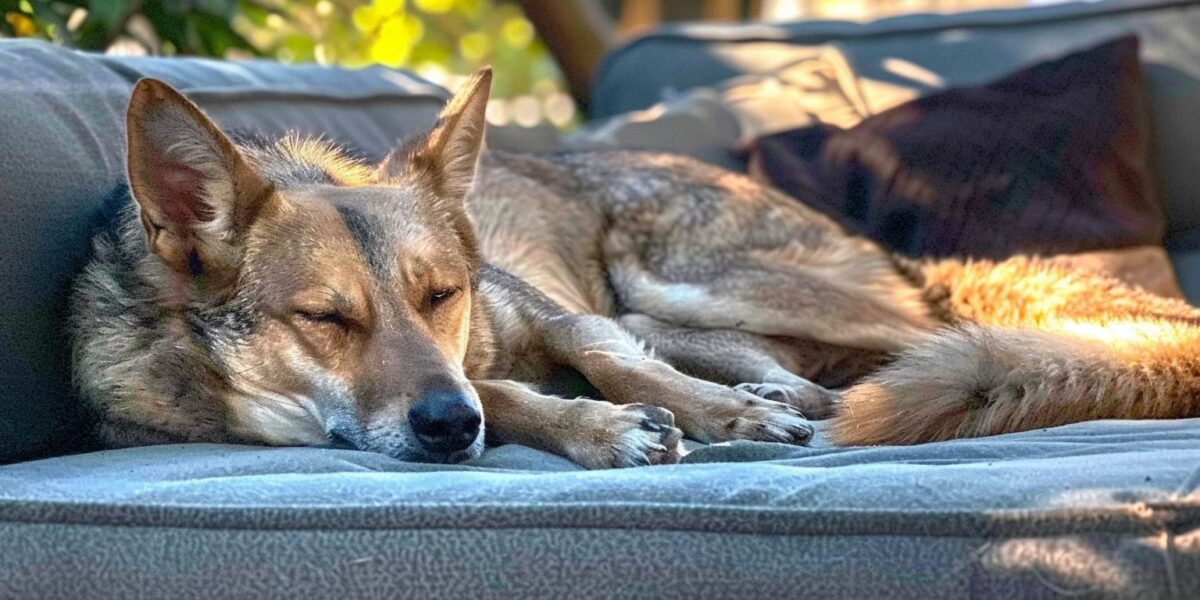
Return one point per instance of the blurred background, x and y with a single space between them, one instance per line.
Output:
543 51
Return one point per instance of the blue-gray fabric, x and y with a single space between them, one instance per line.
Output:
1184 249
957 49
62 117
1095 510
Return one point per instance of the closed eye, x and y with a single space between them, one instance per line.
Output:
441 296
325 318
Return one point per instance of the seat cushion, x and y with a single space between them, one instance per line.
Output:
1103 509
62 126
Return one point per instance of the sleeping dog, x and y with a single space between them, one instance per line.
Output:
283 293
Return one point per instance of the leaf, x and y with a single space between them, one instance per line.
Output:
19 25
109 12
91 35
168 23
224 8
299 48
215 35
256 13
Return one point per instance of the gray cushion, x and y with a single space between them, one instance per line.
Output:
1096 510
1185 256
62 126
893 59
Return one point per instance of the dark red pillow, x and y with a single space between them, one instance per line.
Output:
1051 159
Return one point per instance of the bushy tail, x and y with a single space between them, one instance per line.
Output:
1033 346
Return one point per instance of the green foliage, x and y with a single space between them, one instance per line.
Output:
193 27
441 39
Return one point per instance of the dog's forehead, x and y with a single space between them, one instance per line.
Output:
384 223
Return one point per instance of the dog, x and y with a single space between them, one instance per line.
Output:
283 293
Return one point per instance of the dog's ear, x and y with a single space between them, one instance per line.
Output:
197 194
445 158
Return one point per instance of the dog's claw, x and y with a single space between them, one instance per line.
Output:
634 435
651 425
770 421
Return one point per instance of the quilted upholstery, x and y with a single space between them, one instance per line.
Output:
1104 509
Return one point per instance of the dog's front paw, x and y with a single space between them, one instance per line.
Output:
634 435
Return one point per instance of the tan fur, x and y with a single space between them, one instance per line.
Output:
1034 345
593 434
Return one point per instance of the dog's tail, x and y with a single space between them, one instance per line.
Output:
1034 345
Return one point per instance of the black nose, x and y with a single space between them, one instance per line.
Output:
444 420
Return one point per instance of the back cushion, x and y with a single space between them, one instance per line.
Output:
876 66
62 116
1049 160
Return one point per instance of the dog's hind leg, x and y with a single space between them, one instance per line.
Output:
849 294
787 370
594 434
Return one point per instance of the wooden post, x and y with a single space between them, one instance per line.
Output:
722 10
578 33
639 15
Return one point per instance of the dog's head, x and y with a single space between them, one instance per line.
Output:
334 302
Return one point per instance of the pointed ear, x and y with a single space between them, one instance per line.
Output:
445 157
196 193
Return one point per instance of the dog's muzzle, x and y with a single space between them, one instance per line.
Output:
444 420
442 425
